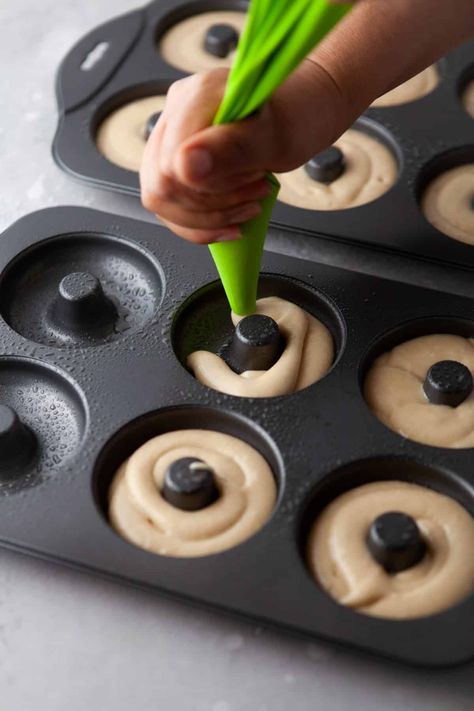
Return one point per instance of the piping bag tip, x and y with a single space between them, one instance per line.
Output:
276 38
238 262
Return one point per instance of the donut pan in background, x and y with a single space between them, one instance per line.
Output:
91 397
427 136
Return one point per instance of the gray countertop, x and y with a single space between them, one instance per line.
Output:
70 640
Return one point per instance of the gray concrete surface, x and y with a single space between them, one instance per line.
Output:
72 641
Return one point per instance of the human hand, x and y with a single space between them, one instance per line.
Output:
203 181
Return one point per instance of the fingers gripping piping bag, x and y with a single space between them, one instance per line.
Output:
277 36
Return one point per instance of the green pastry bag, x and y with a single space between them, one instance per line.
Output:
278 35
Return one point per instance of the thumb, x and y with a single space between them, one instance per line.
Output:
305 115
233 153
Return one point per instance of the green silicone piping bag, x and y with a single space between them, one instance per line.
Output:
277 36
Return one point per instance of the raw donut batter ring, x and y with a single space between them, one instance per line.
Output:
448 203
308 355
140 514
121 136
341 562
182 45
370 170
415 88
393 389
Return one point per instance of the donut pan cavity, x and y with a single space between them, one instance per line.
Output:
119 62
79 290
87 408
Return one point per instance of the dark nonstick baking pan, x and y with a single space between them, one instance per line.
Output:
426 136
91 387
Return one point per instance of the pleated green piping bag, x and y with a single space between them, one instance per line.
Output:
277 36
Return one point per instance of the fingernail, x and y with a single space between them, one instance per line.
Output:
227 238
199 163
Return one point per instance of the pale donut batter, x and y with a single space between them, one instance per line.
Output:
415 88
140 514
371 170
447 203
394 391
308 355
468 98
121 135
341 562
182 45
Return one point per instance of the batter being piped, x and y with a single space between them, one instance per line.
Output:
306 356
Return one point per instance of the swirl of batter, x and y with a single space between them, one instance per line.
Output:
415 88
468 98
370 171
121 136
448 203
140 514
394 391
308 355
182 45
341 562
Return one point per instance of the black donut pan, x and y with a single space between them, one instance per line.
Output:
427 136
112 394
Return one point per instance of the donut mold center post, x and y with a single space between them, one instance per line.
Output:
17 443
81 304
189 484
448 382
256 344
327 166
395 542
150 124
220 40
